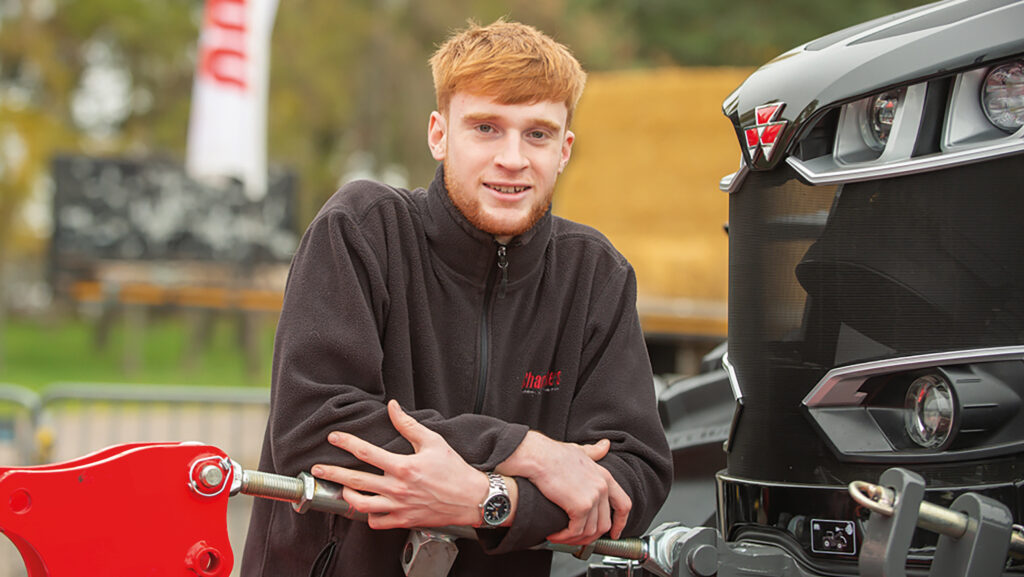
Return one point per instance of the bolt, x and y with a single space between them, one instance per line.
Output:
211 476
703 560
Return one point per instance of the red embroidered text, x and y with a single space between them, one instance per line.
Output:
540 383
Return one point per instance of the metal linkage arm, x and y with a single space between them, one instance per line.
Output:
306 492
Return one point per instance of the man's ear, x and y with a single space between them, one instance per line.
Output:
566 150
437 135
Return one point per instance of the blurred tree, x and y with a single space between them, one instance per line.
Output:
90 76
313 90
154 45
27 120
739 32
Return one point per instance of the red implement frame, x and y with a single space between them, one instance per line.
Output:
126 510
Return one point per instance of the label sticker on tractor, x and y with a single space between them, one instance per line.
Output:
833 537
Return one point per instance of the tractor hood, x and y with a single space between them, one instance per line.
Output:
777 105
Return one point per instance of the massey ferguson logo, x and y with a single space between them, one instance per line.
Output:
762 136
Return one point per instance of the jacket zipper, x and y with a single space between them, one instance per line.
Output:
481 384
503 267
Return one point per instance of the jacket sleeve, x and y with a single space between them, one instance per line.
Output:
614 399
328 359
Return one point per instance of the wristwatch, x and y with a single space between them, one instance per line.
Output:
497 506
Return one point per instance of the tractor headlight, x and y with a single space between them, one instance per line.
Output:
878 118
931 408
1002 96
929 411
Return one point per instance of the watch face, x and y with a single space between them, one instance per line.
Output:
497 509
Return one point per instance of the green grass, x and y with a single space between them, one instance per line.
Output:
34 353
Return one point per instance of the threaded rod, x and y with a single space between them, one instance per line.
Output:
270 486
630 548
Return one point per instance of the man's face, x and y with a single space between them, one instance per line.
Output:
501 160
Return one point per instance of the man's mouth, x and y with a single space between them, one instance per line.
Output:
507 189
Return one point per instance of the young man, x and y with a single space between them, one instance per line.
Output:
477 360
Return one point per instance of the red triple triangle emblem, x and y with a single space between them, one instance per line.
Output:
761 137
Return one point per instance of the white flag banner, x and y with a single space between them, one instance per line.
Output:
227 133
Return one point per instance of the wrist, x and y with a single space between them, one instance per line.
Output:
525 460
479 489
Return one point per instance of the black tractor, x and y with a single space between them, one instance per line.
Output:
876 310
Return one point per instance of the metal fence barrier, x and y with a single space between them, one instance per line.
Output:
69 420
19 408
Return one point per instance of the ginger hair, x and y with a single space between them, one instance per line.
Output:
511 62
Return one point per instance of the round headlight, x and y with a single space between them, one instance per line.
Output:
880 112
1002 96
929 409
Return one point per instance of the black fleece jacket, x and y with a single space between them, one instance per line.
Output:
392 294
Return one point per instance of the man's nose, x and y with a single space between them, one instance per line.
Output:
511 155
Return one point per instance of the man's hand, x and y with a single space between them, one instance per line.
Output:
433 487
569 476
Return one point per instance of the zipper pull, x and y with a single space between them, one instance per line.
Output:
503 265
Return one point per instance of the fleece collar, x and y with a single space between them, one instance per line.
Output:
471 252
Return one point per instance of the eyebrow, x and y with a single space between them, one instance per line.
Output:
475 117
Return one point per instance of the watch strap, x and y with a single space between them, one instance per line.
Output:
497 483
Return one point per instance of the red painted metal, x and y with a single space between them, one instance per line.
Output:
767 113
125 510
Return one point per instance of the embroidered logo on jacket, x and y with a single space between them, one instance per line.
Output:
541 383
